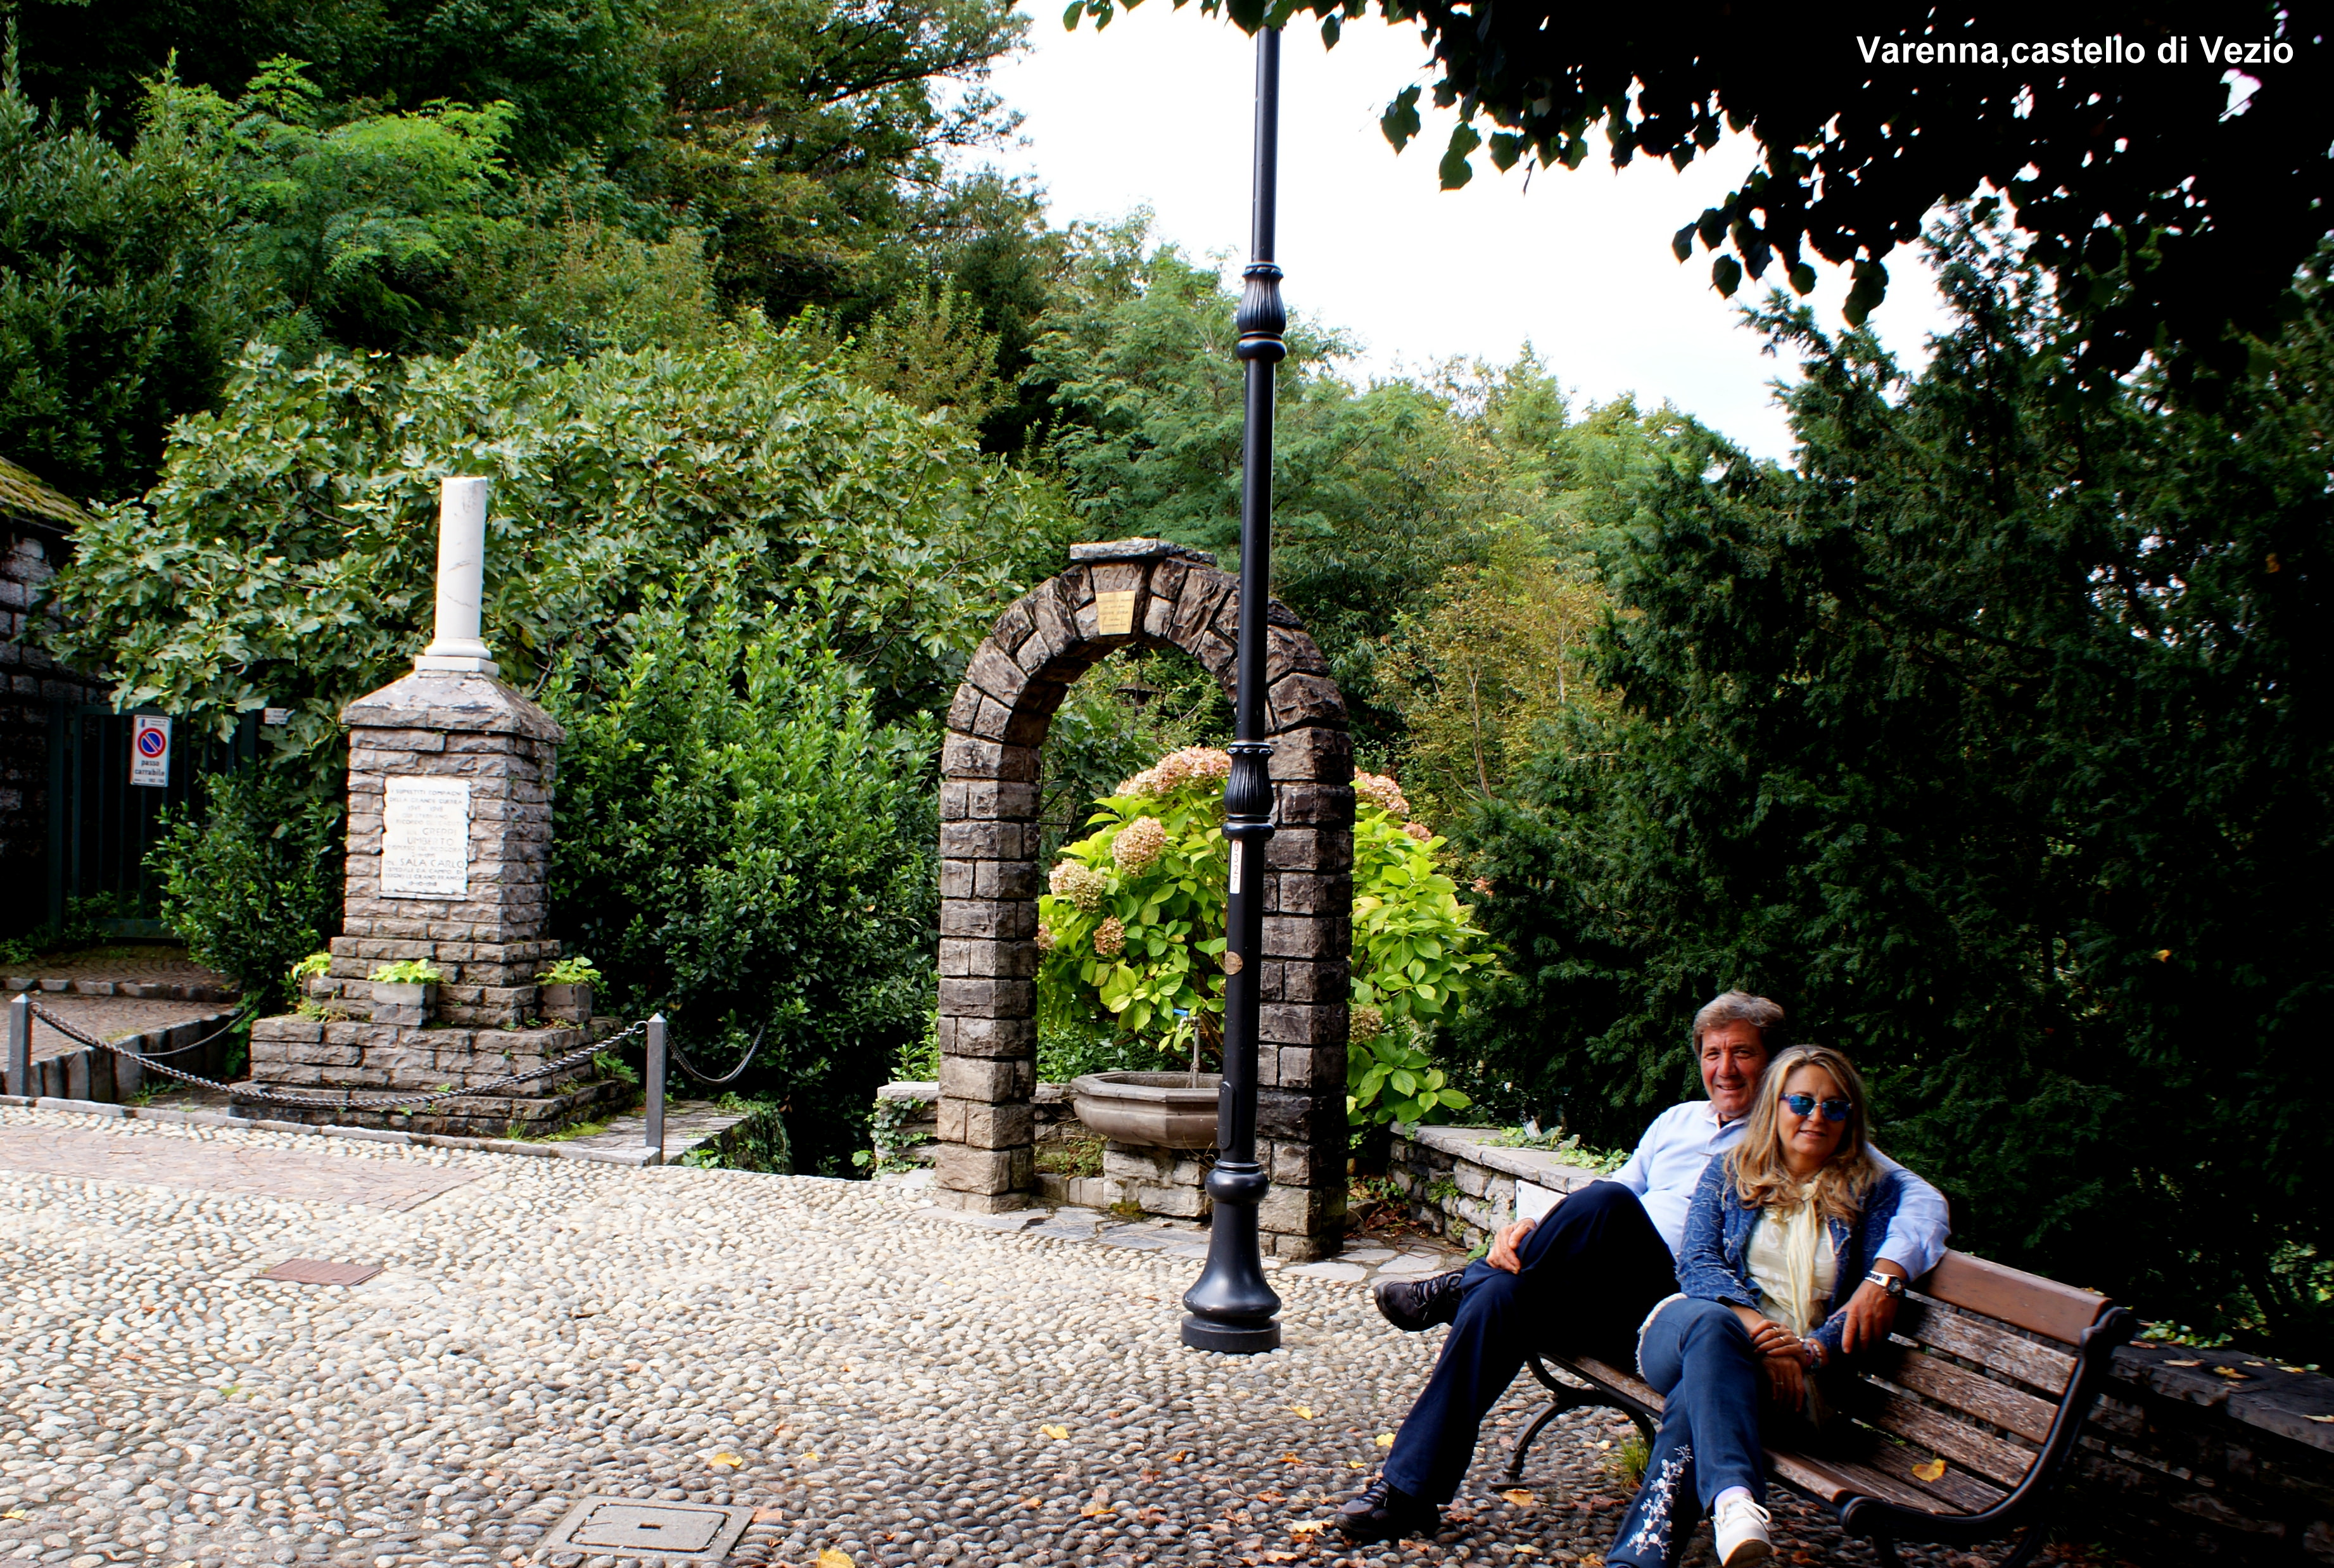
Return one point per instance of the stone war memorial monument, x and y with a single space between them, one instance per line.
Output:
450 777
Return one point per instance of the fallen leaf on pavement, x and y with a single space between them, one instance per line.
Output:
1308 1527
731 1460
831 1558
1303 1412
1059 1434
2312 1418
1271 1498
768 1516
1031 1503
14 1513
810 1458
1355 1465
1181 1455
2183 1363
1933 1471
1150 1474
1527 1549
1385 1439
1592 1560
2231 1373
1099 1506
1521 1498
1151 1516
1280 1556
1290 1459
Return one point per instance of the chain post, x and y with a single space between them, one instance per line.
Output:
20 1043
656 1089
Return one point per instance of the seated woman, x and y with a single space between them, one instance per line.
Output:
1781 1232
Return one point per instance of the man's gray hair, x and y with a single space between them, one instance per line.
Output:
1739 1007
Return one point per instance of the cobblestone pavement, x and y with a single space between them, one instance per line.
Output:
869 1380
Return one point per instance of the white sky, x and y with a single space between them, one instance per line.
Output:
1156 111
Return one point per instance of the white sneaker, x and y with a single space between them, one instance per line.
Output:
1741 1528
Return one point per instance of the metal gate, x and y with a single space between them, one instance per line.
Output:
101 826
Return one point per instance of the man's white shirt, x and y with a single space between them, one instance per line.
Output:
1667 1165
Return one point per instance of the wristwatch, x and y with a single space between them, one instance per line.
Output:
1887 1282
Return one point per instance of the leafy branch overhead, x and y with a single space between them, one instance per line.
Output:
2172 223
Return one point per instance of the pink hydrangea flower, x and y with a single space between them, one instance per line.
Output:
1138 845
1418 831
1364 1022
1376 788
1082 885
1110 937
1194 765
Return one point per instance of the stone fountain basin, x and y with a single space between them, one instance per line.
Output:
1154 1110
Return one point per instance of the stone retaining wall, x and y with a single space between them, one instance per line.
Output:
1161 1181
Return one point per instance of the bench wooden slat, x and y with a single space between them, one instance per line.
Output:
1956 1490
1961 1390
1627 1382
2040 1366
2027 1300
1988 1454
1832 1479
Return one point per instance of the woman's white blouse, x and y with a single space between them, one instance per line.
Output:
1793 1265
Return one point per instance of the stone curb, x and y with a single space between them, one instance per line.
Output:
142 990
639 1158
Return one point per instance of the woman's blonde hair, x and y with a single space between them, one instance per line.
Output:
1756 1164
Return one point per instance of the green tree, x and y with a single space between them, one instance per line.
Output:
1376 491
286 557
1996 742
120 306
808 141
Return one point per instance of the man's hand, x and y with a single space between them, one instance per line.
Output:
1787 1378
1503 1246
1871 1311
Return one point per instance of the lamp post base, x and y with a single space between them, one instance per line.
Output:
1230 1339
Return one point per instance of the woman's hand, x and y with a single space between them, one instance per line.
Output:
1787 1378
1768 1337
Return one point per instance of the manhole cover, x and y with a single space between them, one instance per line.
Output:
633 1528
322 1271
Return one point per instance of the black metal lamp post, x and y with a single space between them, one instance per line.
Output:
1233 1308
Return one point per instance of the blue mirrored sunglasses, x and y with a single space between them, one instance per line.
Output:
1801 1104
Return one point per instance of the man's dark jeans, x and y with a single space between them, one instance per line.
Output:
1591 1272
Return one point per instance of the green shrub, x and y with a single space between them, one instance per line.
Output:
409 972
1131 933
744 847
254 885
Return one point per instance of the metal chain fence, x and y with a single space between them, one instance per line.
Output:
321 1102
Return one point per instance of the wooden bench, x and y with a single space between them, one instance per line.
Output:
1960 1427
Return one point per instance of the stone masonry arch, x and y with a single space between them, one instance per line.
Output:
1142 592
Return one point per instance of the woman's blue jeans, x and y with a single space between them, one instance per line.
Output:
1698 1356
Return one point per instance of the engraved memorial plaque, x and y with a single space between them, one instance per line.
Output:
1114 612
425 838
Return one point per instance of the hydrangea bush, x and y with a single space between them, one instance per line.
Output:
1132 931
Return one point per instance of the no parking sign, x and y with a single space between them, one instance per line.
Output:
150 750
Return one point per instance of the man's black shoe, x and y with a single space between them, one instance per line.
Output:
1411 1305
1381 1512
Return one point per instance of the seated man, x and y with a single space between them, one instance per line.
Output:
1585 1279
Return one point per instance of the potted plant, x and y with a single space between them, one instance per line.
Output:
403 992
567 989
